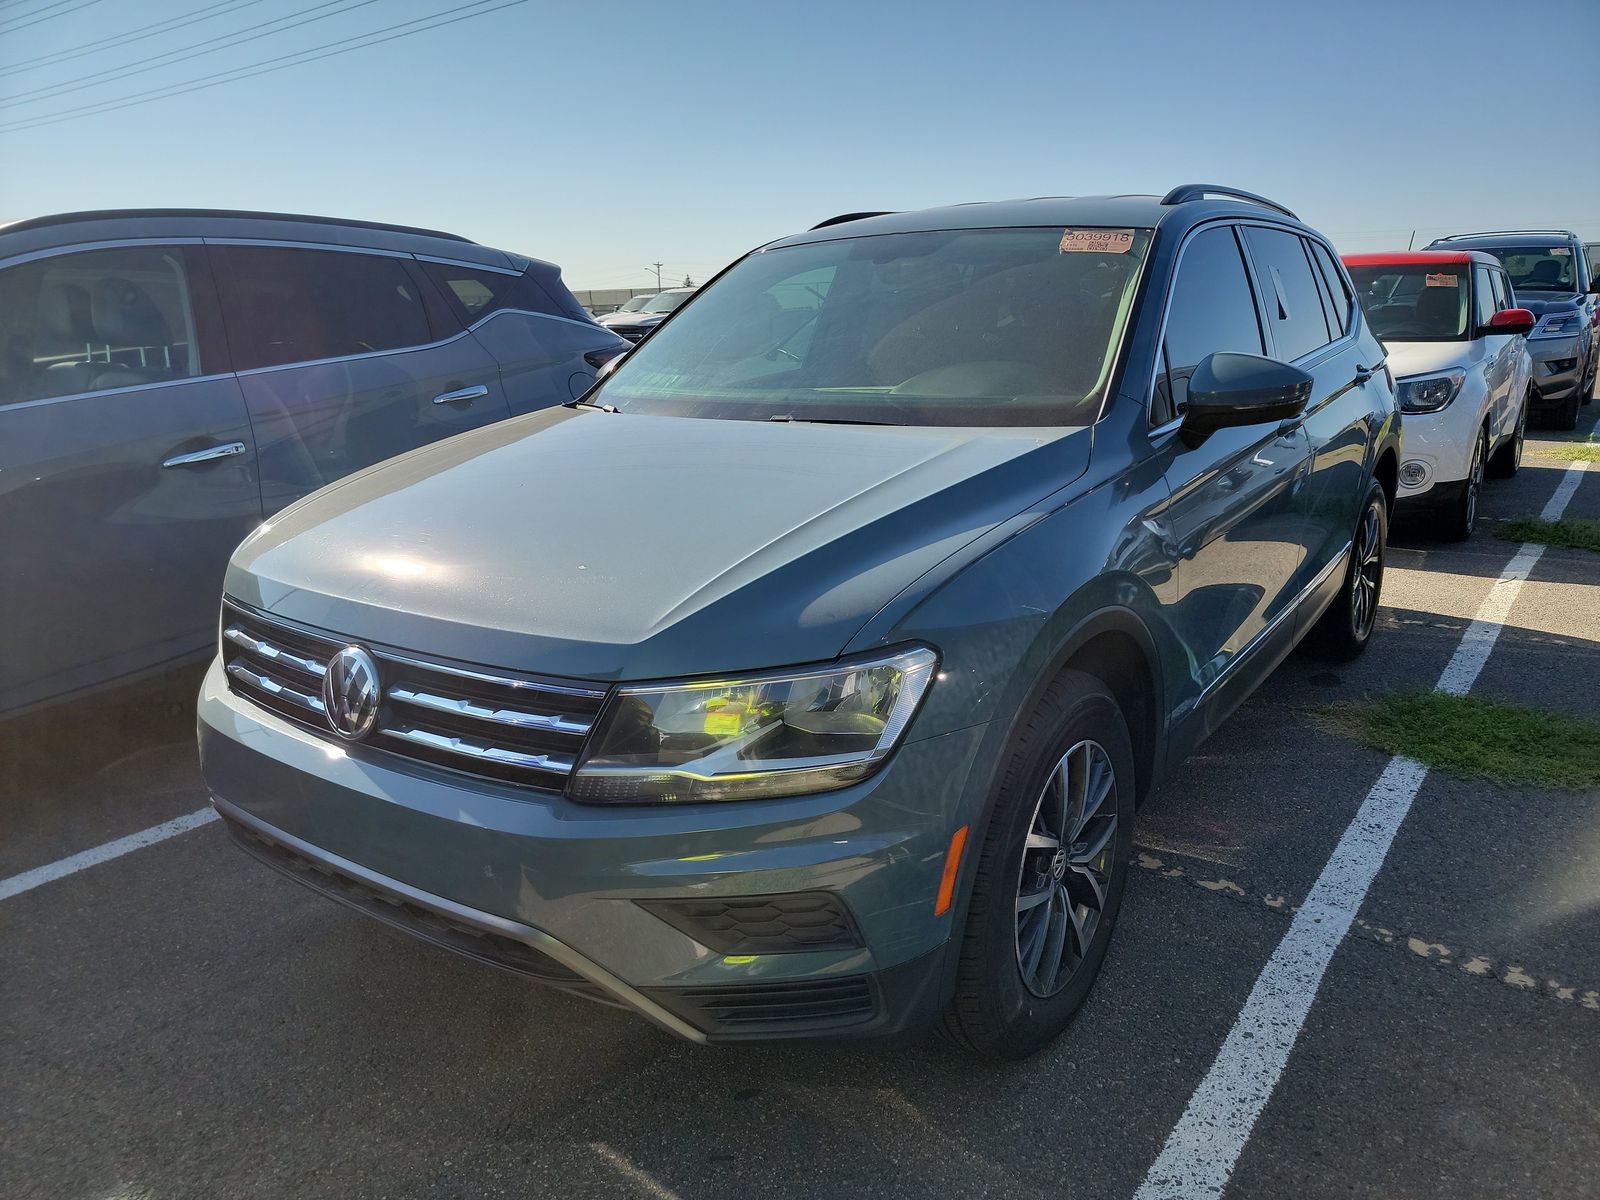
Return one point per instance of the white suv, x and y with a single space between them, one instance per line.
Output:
1458 351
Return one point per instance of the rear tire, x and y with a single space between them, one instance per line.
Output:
1061 836
1456 521
1345 629
1507 460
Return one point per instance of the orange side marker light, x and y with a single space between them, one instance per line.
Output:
952 863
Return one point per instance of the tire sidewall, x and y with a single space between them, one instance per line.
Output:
1021 1021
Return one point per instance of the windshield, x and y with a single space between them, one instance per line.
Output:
1538 268
635 303
955 327
664 302
1414 303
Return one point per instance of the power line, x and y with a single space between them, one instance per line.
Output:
122 39
265 67
142 65
41 15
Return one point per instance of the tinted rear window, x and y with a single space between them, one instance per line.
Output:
288 305
1290 292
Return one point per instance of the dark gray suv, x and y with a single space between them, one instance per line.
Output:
1552 277
805 676
168 378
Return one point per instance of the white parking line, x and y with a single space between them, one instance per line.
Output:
50 872
1203 1148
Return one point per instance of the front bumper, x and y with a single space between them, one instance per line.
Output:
1440 446
1558 366
533 883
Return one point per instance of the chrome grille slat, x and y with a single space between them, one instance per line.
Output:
274 653
452 744
276 690
451 716
484 712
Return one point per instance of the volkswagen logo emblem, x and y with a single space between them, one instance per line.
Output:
350 693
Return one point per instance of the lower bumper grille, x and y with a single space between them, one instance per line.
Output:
484 945
783 924
772 1008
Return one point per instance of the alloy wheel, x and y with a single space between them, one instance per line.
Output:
1368 575
1063 880
1474 484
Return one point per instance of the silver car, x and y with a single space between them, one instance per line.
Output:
169 378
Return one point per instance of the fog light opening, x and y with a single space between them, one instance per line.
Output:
1414 472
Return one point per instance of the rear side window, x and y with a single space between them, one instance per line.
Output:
103 319
1482 296
1338 292
1289 291
1502 291
1212 309
475 293
288 305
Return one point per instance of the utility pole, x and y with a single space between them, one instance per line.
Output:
1413 241
657 266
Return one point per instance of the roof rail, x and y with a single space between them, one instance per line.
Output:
111 214
1199 191
1455 237
842 218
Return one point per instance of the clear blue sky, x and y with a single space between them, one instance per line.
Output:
606 135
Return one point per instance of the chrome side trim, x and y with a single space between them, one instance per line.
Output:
273 688
118 391
543 316
1289 610
541 941
485 712
461 262
273 653
561 764
287 244
106 244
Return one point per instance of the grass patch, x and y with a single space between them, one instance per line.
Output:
1570 451
1575 533
1480 739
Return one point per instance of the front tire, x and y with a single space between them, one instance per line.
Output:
1050 874
1456 521
1346 628
1566 417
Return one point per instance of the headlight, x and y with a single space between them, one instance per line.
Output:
1557 324
1429 393
811 729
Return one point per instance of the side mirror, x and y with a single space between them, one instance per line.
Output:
610 365
1229 389
1510 320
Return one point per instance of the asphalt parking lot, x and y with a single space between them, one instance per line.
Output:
180 1022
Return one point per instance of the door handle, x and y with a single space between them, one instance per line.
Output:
466 393
209 454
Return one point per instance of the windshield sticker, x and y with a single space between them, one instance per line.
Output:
1096 241
1561 251
1441 280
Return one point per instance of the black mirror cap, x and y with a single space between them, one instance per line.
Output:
1229 389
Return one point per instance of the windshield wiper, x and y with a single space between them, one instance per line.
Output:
591 404
791 419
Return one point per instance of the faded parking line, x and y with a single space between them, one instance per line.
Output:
71 865
1203 1148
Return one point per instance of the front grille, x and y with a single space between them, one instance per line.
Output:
512 728
632 332
783 924
772 1008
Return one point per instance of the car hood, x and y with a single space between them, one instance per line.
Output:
1425 358
602 545
1539 303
